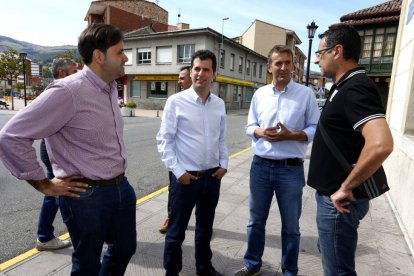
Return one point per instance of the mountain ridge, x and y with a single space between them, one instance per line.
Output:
37 53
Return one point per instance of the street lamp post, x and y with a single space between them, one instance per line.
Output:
222 39
311 33
222 31
23 57
221 53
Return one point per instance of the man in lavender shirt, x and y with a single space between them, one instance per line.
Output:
82 125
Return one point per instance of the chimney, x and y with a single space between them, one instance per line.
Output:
183 26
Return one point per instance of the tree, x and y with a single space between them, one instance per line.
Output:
37 89
71 54
18 86
10 64
47 73
3 74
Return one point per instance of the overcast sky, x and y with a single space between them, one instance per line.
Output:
59 22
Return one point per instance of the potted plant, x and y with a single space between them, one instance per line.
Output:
128 109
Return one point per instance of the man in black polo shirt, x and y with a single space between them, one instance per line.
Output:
354 118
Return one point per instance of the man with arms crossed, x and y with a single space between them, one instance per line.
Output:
354 118
192 144
82 124
281 122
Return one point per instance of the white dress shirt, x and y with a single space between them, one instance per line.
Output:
295 107
192 134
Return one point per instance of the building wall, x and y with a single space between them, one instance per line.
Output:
146 9
234 87
261 37
130 15
248 38
36 69
267 36
400 114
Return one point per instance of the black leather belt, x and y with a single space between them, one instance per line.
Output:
282 162
101 182
206 173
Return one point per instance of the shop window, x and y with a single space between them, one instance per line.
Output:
158 89
135 89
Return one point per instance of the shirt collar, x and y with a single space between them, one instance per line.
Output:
350 74
287 88
195 96
97 81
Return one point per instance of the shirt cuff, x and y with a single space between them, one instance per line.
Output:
37 174
250 132
224 163
178 172
310 134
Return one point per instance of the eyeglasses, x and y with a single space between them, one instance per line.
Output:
320 52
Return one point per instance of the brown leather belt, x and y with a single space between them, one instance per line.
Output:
206 173
282 162
101 182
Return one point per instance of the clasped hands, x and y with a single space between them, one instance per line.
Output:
275 134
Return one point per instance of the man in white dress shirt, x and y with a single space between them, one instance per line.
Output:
192 144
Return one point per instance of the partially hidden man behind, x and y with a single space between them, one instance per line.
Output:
281 122
184 82
82 125
46 240
192 144
354 118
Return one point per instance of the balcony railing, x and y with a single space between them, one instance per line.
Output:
377 64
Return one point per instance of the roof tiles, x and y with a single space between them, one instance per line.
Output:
382 13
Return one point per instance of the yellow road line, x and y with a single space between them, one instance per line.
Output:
151 195
34 251
26 255
148 197
240 152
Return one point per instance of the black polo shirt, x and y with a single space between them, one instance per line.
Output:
353 101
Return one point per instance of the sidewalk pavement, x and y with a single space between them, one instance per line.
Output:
382 249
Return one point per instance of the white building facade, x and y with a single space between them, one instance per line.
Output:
155 60
400 114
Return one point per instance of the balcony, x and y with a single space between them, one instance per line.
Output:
377 64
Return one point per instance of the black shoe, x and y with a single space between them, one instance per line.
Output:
208 272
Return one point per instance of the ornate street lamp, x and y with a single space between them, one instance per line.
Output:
311 33
23 57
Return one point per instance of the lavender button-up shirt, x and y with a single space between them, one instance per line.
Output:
82 125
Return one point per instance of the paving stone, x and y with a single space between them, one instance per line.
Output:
381 250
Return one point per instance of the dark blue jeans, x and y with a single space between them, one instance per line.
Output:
50 204
204 194
101 214
338 235
286 183
47 215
